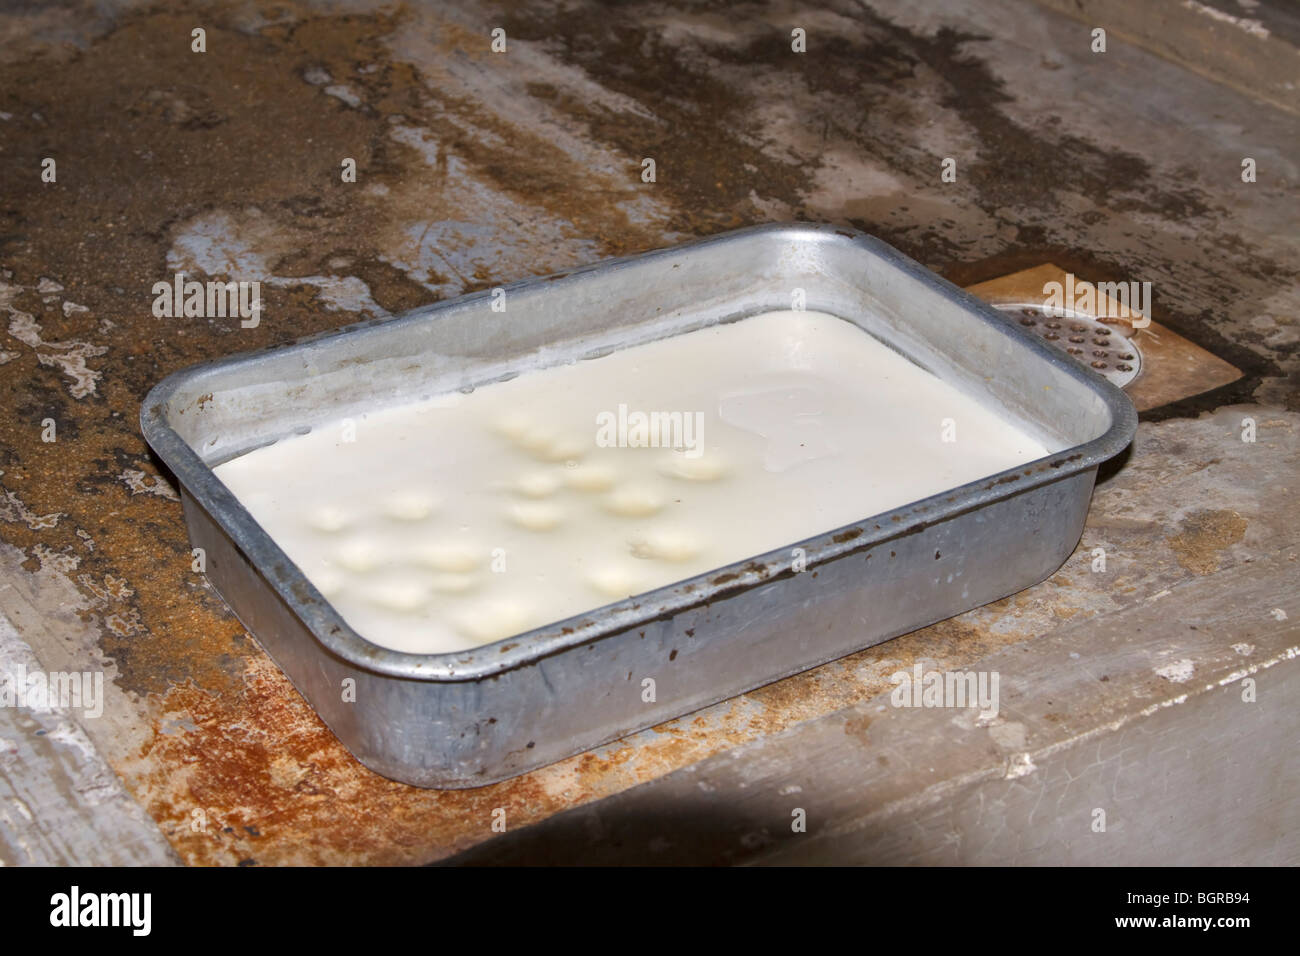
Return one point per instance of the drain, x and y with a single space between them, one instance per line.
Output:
1089 342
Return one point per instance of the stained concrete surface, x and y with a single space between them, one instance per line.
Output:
477 168
1248 44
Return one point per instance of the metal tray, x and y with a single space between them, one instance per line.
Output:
470 718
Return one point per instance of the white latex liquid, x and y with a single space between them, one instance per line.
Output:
468 518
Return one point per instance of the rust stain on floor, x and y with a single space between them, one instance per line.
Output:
1204 535
256 778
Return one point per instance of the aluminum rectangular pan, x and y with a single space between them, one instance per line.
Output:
469 718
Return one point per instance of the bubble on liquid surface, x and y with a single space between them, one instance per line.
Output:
536 439
329 518
616 580
359 555
328 582
590 477
537 484
451 557
706 467
494 620
512 425
399 592
536 515
409 505
453 583
563 448
666 544
634 501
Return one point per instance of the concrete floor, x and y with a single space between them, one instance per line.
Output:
477 168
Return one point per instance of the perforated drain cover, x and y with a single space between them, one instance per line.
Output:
1080 336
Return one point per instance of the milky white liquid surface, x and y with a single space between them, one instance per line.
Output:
467 518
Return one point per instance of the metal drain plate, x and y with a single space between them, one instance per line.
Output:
1089 342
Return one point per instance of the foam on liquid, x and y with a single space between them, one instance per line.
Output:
467 518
